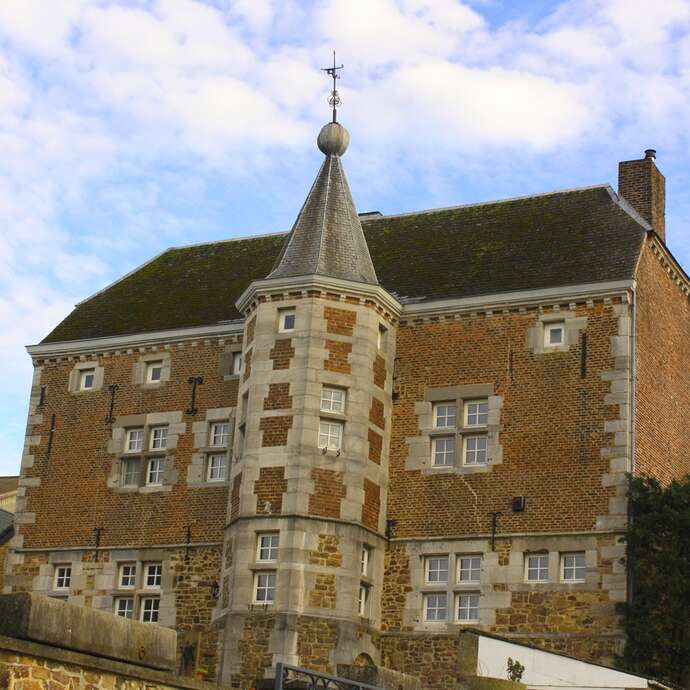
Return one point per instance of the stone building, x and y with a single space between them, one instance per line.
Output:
352 442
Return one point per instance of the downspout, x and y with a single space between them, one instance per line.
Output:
633 430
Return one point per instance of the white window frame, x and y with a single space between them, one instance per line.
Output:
265 581
468 598
437 596
219 435
551 326
158 439
474 561
152 612
131 575
138 442
283 320
153 571
212 467
467 412
271 547
446 454
62 579
445 406
574 568
151 368
236 363
469 456
538 558
127 611
83 376
157 474
428 560
364 560
363 599
130 478
333 399
327 438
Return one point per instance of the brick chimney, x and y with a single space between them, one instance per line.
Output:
642 185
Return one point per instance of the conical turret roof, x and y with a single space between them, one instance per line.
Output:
327 237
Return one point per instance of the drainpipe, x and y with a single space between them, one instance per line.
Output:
633 414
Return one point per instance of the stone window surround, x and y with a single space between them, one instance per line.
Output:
173 420
197 470
139 369
231 349
421 447
572 326
75 375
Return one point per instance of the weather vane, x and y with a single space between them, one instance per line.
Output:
334 98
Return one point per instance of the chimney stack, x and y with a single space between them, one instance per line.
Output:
642 185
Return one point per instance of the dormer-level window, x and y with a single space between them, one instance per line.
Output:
159 438
236 362
476 413
445 415
86 379
286 320
554 334
219 434
154 372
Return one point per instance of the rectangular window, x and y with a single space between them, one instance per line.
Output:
573 567
537 567
135 440
330 435
468 607
286 320
215 467
476 413
382 337
63 576
264 588
154 473
443 451
554 334
332 399
220 433
469 569
128 576
154 372
267 549
124 606
436 569
159 438
475 450
363 602
130 472
149 609
364 560
86 379
236 362
445 415
153 573
435 607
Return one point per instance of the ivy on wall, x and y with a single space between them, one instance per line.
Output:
658 560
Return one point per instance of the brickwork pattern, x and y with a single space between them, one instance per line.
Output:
254 650
433 658
282 353
372 504
338 354
329 490
275 430
278 397
375 446
269 489
250 329
376 413
235 496
396 587
340 321
317 639
324 593
380 371
247 365
328 552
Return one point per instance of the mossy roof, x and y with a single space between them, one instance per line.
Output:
559 239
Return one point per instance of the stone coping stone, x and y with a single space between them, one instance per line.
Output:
36 617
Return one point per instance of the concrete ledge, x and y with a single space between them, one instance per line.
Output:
35 617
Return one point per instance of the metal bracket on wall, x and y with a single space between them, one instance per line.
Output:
113 388
193 381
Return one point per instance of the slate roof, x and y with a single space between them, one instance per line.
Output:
6 525
563 238
327 237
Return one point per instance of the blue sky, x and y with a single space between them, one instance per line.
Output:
129 126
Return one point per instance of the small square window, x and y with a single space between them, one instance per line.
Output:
130 472
330 435
267 547
469 569
443 451
286 320
537 567
215 467
128 576
264 588
365 557
153 574
124 607
63 577
150 608
154 473
436 569
554 334
332 399
475 450
159 438
87 378
445 415
154 372
468 607
363 600
236 362
220 433
435 607
573 567
476 413
135 440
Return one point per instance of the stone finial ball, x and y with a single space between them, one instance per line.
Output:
333 139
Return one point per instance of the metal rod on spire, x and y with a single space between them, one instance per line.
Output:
334 98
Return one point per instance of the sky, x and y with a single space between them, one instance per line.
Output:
128 126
